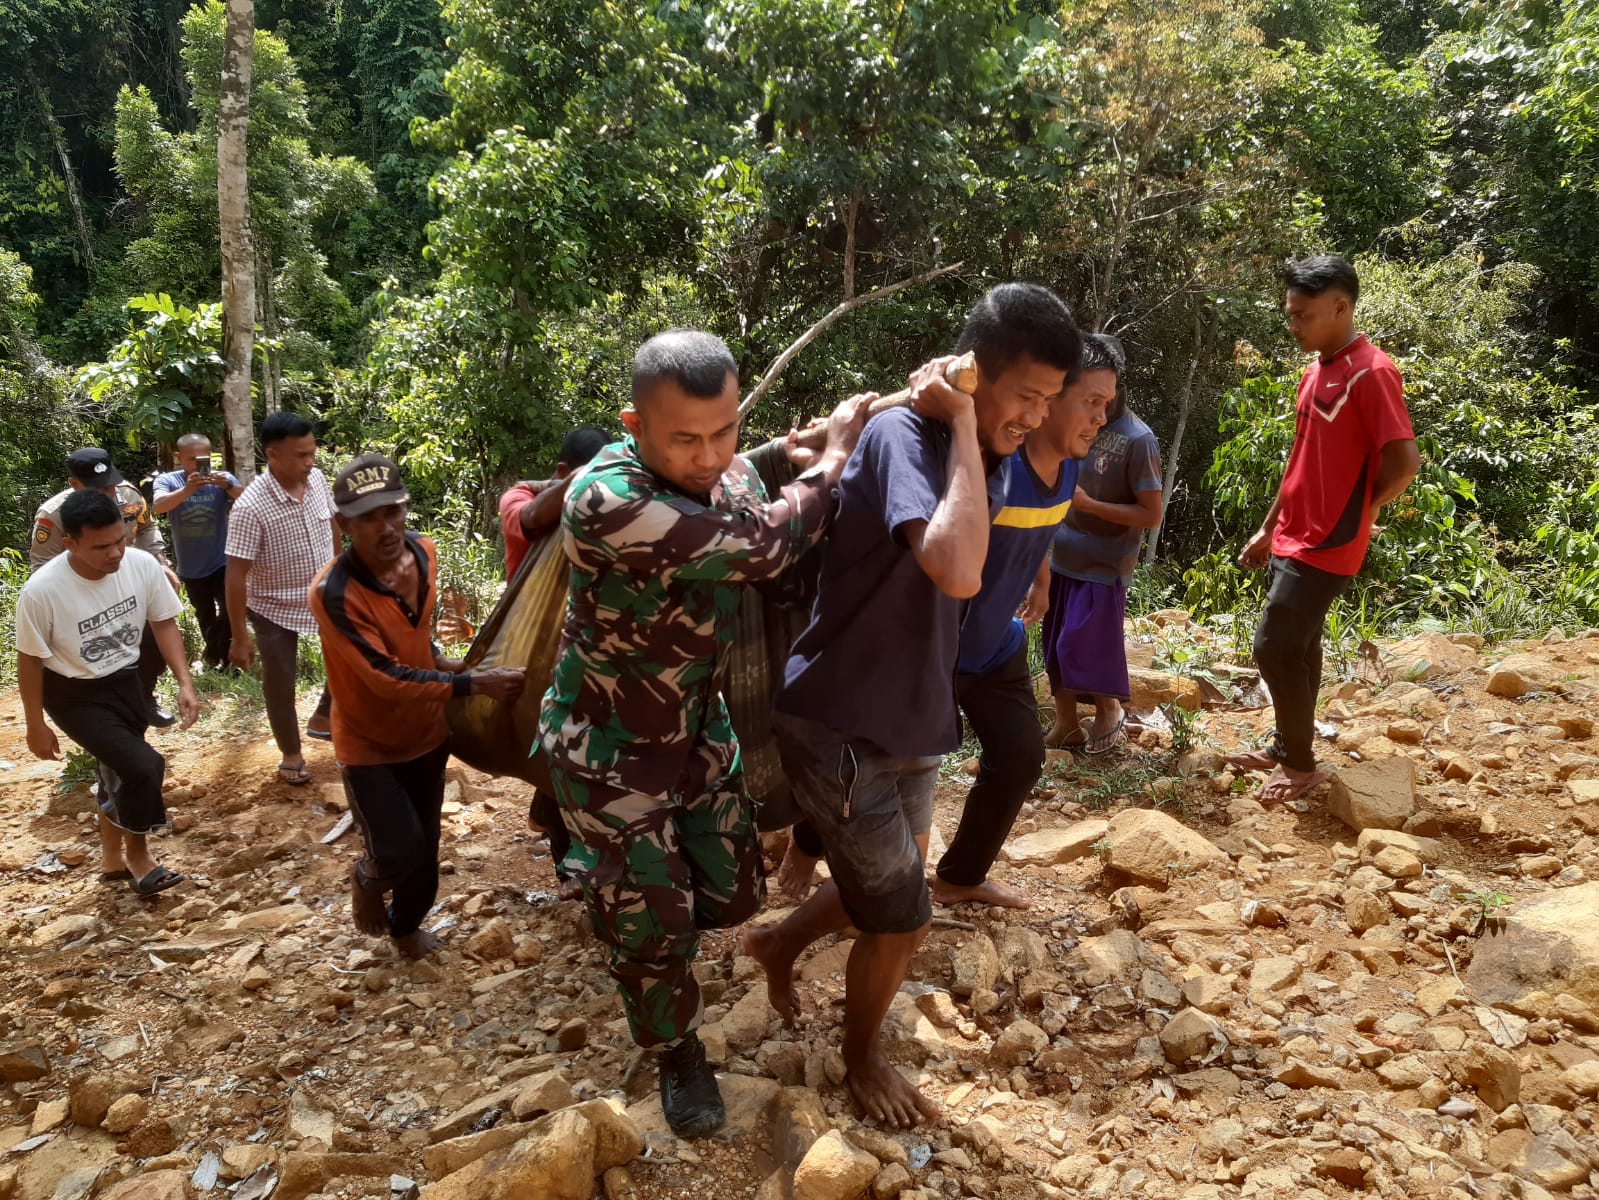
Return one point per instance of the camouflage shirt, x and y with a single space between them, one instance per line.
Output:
143 532
650 615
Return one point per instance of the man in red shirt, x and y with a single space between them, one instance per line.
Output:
1354 451
532 508
529 510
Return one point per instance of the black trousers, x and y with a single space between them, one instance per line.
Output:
208 596
544 812
396 807
107 717
1288 653
279 649
1002 711
151 664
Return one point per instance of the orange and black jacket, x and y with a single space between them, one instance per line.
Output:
388 694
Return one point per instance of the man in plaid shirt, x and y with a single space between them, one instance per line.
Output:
280 534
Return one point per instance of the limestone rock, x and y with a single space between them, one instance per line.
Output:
833 1169
1118 955
126 1112
554 1161
1149 845
891 1182
243 1159
1491 1071
1518 675
302 1174
747 1022
1190 1035
1273 974
1380 794
93 1095
152 1185
1373 841
1543 946
1153 689
443 1158
543 1093
1020 1042
1426 656
1397 863
975 964
1048 847
494 941
22 1061
1365 910
799 1120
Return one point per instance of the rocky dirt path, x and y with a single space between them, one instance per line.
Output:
1390 989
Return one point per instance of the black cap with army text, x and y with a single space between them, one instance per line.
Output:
369 481
92 467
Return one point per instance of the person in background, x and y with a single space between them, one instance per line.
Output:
1354 451
92 467
374 605
529 510
79 621
532 508
195 499
662 530
867 707
280 534
1092 561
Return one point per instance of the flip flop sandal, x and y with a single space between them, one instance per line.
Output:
1252 760
115 876
1297 789
294 776
321 735
158 880
1107 741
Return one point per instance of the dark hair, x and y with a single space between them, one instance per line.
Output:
582 444
1102 352
698 362
88 508
1314 275
1021 320
282 425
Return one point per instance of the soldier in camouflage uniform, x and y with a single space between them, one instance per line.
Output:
660 530
91 467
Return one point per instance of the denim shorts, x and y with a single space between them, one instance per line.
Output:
868 808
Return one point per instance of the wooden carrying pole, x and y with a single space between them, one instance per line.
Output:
960 374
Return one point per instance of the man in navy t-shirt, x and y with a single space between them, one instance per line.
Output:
868 702
196 501
993 681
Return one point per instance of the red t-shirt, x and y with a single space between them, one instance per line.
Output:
1350 406
511 506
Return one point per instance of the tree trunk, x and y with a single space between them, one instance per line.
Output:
1185 408
238 251
271 371
852 216
74 193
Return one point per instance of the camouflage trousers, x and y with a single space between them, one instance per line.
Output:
656 870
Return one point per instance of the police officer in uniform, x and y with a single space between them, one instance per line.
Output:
91 467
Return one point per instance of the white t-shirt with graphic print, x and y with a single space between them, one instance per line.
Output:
88 629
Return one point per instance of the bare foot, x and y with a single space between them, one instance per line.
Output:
987 892
886 1095
761 945
417 945
568 889
1251 760
1285 784
796 874
370 916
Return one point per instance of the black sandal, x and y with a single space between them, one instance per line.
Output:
115 876
158 880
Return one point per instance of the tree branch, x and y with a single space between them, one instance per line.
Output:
780 363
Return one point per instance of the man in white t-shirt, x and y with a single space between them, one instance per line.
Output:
79 621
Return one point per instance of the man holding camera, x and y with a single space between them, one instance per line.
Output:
195 499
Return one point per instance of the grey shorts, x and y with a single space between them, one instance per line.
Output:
868 807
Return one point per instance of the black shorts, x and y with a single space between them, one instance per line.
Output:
868 808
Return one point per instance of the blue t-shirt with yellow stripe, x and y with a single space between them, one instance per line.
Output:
1018 544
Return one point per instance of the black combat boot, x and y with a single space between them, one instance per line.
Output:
689 1095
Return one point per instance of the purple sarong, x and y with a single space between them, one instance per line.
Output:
1083 647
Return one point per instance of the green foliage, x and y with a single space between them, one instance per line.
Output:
166 373
13 574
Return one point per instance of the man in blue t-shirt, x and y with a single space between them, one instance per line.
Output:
1095 553
195 499
867 706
